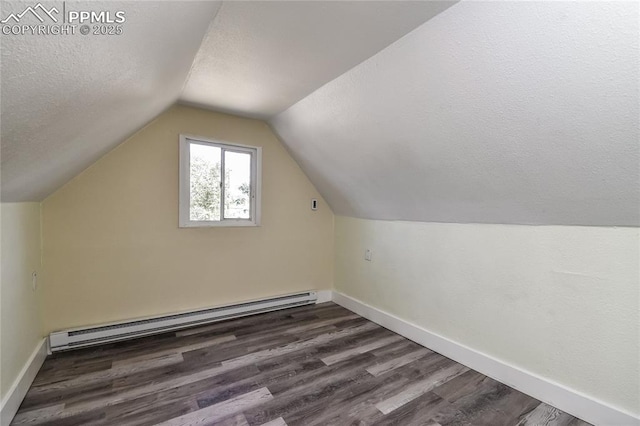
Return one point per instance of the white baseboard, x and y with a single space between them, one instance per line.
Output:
18 390
324 296
554 394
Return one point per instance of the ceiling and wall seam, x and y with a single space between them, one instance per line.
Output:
262 57
119 145
193 62
319 88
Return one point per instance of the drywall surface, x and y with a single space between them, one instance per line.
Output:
260 57
113 250
20 325
561 302
490 112
69 99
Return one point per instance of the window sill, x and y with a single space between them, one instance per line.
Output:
221 224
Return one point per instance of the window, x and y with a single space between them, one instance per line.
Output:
219 183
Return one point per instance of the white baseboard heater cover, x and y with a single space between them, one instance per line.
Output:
96 335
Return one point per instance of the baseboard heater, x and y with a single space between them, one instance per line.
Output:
96 335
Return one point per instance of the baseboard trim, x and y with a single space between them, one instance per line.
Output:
18 390
559 396
324 296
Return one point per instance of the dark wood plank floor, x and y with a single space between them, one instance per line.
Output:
313 365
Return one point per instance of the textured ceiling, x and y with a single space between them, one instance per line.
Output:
491 112
66 100
259 58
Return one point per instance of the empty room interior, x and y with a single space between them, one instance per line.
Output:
320 213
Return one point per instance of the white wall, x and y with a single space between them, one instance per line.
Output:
561 302
20 326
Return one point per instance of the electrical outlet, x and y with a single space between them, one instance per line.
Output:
367 255
34 281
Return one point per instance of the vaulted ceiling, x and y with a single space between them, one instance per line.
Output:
490 112
498 112
259 58
68 99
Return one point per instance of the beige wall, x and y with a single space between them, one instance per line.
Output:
20 325
113 249
558 301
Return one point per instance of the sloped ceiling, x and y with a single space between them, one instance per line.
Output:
66 100
491 112
259 58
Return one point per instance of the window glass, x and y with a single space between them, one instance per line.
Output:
204 179
237 185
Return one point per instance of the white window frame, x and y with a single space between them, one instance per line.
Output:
185 182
